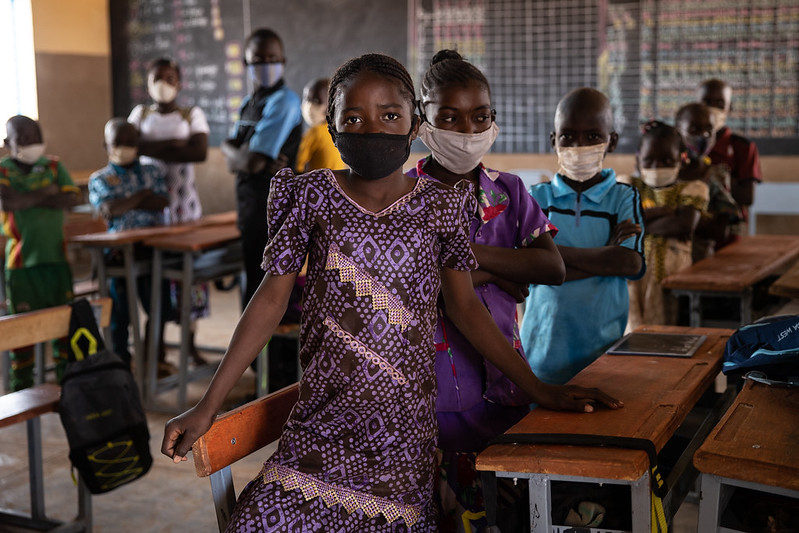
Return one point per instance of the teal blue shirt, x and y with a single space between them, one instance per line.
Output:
565 328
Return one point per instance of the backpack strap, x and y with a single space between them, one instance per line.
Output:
84 335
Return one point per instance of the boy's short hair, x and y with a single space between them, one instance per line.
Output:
578 97
263 34
165 62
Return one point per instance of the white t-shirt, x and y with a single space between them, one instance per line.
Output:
184 203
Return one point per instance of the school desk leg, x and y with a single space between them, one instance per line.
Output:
102 280
133 308
155 327
641 500
709 501
695 309
540 504
35 469
489 479
84 505
224 496
185 326
746 306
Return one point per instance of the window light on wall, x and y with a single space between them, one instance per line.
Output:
17 62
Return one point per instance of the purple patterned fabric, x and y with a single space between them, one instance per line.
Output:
357 453
468 414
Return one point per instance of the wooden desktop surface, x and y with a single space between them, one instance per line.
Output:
196 240
757 438
658 392
739 265
787 285
140 234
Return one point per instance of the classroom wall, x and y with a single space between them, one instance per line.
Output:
71 45
71 42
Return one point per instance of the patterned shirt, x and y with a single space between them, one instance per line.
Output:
35 235
363 431
508 217
567 327
683 193
113 182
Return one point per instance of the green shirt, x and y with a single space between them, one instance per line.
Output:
35 235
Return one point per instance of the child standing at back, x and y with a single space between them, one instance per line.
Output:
671 213
129 194
316 148
34 192
512 242
600 237
178 137
357 451
719 225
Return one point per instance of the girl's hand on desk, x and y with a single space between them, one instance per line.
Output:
181 432
573 398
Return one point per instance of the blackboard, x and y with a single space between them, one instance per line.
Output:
648 56
206 38
665 344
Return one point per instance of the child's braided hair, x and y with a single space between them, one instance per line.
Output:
378 63
449 68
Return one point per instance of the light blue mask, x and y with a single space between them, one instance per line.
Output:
265 74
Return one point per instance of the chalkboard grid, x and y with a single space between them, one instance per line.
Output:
648 56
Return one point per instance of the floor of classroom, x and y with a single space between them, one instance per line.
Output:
170 497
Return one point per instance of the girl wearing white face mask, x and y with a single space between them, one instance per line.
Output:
178 137
511 239
672 210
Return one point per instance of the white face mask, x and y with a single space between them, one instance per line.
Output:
581 163
123 155
266 74
719 118
660 177
455 151
313 114
162 92
29 154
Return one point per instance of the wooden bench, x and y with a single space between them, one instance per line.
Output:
787 285
658 394
29 404
235 435
753 447
733 271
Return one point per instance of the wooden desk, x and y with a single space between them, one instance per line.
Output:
733 271
207 253
754 446
658 393
130 269
787 285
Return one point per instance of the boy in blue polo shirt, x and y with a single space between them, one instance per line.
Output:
600 238
265 139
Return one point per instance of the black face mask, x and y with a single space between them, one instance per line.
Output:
373 155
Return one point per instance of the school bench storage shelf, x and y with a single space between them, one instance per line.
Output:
658 394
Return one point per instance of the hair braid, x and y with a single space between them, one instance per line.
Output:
449 68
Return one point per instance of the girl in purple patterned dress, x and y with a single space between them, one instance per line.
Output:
357 453
512 240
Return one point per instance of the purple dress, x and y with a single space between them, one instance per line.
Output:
357 453
476 402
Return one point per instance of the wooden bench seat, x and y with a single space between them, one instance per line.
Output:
29 404
235 435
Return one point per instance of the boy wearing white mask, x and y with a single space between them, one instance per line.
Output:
671 213
738 153
316 148
129 193
600 239
265 139
34 191
178 137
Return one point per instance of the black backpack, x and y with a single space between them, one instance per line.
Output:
101 410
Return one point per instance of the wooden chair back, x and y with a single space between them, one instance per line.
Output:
235 435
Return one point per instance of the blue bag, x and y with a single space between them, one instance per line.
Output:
770 346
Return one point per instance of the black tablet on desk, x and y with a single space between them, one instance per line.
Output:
665 344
